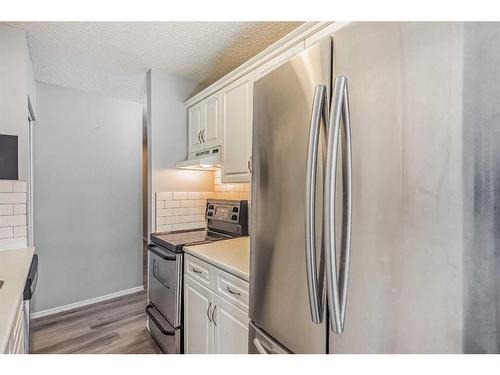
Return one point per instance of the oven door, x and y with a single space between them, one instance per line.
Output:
165 283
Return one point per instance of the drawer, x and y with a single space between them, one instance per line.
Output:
199 270
231 288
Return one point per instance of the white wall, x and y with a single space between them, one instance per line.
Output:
88 196
17 85
167 138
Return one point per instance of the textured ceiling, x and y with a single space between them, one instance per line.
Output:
112 57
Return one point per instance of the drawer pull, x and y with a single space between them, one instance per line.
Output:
196 270
232 291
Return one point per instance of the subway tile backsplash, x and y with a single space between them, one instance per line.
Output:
186 210
13 219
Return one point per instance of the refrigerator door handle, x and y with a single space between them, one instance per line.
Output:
337 284
315 283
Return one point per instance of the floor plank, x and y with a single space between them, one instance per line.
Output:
116 326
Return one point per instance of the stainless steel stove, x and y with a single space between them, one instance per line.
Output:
225 219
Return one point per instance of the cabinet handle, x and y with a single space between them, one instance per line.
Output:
232 291
196 270
199 136
208 311
203 136
249 164
213 315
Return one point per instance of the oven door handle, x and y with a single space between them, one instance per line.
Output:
152 317
161 253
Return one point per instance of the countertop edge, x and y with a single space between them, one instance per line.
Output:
223 266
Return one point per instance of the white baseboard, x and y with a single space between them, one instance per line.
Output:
87 302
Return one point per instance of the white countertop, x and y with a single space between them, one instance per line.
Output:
232 255
14 268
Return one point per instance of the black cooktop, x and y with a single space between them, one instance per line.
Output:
176 240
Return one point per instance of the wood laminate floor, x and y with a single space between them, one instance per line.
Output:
116 326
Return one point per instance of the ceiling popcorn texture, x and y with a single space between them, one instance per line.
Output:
112 58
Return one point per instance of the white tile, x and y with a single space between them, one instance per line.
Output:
200 203
181 226
234 195
244 196
5 186
12 198
21 231
10 221
187 203
207 194
172 204
199 218
179 211
172 219
178 195
248 187
164 196
19 187
6 232
163 228
217 181
160 220
19 209
188 218
13 243
194 195
6 209
196 225
160 204
239 187
162 212
196 210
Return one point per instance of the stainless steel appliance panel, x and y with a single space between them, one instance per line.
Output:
405 284
168 338
283 101
165 283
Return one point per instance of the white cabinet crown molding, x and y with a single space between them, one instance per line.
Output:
299 34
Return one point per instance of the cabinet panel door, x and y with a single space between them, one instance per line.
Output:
198 330
195 118
211 135
237 111
231 328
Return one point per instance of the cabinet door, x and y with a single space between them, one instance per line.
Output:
195 118
237 111
211 131
231 328
198 329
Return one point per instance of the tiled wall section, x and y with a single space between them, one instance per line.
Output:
230 191
13 229
186 210
181 210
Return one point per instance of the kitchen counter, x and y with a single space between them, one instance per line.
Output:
232 255
14 268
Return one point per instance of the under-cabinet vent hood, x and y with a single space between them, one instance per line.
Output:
204 160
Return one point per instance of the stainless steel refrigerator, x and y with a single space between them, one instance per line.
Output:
375 176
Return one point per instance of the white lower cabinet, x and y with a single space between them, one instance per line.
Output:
15 345
198 330
212 323
231 328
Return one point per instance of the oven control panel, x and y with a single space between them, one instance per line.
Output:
227 211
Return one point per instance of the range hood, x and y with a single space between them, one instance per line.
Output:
204 160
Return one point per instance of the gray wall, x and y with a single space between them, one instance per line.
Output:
167 138
88 196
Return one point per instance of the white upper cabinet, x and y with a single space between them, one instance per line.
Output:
211 132
237 111
282 58
204 123
195 115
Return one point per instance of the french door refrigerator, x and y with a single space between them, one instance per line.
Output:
373 193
